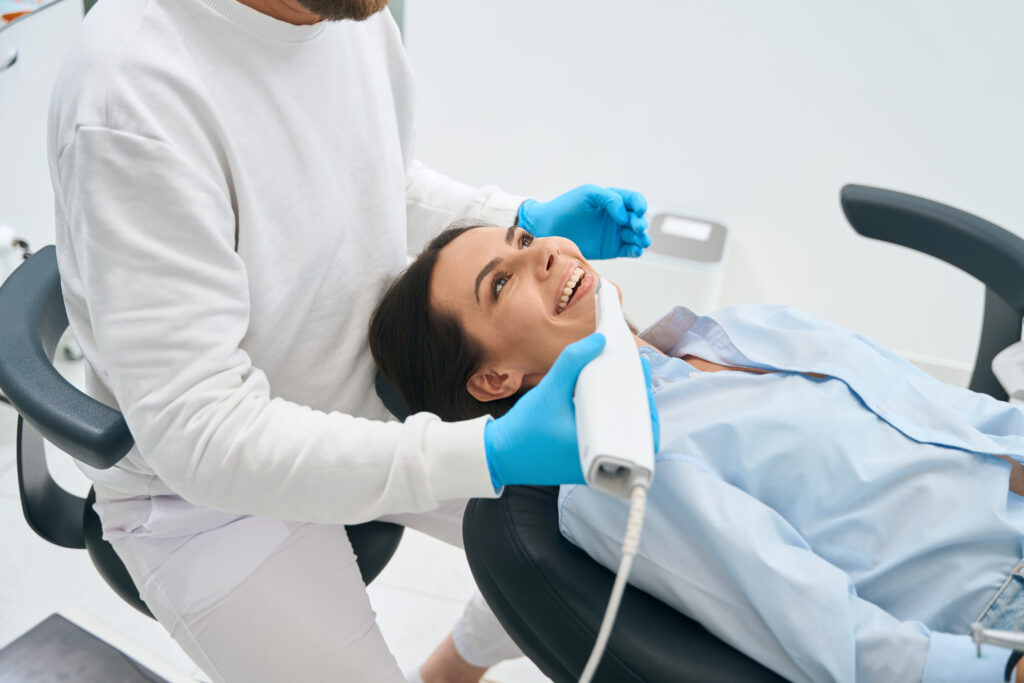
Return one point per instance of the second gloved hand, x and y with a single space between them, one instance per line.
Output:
605 222
535 441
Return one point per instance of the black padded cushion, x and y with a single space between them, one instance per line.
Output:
550 596
373 543
106 561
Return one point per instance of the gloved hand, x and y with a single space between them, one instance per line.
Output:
535 441
604 222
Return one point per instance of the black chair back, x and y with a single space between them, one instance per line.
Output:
991 254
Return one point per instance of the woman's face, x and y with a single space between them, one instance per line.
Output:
508 291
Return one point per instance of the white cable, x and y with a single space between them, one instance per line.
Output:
630 543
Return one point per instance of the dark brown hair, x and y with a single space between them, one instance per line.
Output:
424 353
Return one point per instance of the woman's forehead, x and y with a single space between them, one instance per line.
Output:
459 261
475 238
472 248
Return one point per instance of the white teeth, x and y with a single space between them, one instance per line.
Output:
567 290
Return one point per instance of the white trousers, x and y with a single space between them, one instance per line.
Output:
252 599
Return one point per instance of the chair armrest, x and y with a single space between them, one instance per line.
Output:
991 254
33 315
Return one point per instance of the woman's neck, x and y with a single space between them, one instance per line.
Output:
640 342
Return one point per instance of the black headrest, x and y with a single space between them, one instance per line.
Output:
993 255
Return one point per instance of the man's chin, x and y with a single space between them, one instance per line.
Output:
339 10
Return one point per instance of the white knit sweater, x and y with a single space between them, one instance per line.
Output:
233 194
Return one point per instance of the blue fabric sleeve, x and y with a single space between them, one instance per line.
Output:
954 658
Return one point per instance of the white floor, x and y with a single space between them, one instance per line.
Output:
417 597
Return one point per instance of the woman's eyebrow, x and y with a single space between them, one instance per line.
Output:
509 235
483 273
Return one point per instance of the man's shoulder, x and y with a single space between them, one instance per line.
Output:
127 70
124 35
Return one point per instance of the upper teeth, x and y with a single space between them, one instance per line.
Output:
567 291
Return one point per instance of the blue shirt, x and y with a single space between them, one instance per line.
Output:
848 527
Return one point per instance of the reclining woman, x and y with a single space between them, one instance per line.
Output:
818 503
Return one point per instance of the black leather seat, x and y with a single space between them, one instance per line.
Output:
51 408
550 596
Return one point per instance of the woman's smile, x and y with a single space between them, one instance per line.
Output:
576 289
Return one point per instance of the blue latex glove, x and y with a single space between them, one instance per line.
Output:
535 441
605 222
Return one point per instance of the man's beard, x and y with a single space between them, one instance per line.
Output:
336 10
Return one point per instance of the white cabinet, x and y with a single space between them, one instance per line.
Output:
39 41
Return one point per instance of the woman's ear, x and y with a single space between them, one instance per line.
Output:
489 384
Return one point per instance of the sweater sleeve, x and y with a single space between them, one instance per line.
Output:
165 304
731 562
434 200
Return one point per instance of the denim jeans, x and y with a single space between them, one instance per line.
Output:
1006 610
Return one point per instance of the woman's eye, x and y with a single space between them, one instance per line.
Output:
500 280
525 240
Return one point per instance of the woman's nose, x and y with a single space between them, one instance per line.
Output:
546 257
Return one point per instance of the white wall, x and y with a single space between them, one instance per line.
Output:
753 113
26 195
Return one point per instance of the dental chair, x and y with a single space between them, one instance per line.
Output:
52 409
550 596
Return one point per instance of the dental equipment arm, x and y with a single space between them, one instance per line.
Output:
1011 640
616 441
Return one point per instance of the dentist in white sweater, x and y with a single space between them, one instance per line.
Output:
234 185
